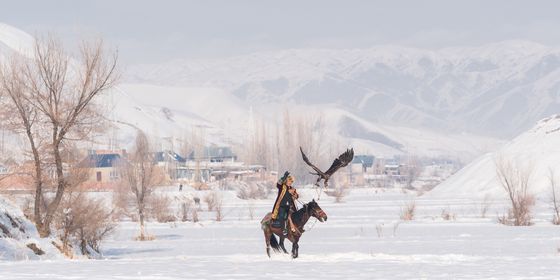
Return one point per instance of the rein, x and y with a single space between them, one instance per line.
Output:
312 226
308 216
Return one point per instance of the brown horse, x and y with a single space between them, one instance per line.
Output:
299 218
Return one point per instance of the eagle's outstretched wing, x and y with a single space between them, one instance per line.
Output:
319 172
343 160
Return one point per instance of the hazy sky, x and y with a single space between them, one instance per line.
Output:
154 31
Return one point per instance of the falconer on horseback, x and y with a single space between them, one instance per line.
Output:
284 205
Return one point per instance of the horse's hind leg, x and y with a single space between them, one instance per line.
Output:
295 249
282 244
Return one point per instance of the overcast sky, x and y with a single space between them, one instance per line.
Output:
156 31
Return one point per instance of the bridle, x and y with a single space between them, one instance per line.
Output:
318 213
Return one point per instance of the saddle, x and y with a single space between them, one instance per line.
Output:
267 220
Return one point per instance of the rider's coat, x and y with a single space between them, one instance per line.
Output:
284 199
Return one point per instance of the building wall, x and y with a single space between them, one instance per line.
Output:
103 175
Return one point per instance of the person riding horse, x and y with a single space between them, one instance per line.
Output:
284 205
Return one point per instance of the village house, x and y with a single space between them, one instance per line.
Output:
214 154
103 168
386 172
172 164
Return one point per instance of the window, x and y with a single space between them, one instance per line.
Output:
114 175
98 176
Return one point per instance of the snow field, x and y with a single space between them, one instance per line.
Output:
363 238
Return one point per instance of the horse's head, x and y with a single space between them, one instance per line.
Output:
315 211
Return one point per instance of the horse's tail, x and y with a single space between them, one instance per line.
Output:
274 243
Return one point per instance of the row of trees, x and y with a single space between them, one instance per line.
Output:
277 147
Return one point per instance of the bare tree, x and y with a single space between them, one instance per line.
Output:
14 103
121 200
140 173
554 197
413 171
52 97
515 180
197 143
185 145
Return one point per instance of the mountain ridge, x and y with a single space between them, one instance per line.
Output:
481 90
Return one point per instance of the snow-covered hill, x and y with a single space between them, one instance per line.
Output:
173 112
13 39
498 89
19 239
536 150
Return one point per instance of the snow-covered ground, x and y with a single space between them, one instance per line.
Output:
363 238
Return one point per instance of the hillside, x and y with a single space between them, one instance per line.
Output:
536 150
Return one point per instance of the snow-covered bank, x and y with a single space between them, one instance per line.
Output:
19 239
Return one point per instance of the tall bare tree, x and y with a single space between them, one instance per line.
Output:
53 99
141 176
15 103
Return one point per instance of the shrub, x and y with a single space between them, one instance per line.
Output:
447 215
211 200
516 181
252 190
338 193
407 212
83 221
158 208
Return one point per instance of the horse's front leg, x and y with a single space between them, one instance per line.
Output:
282 238
267 235
295 249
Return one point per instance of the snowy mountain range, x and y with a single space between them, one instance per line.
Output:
495 90
384 101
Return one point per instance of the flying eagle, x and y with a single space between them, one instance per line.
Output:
343 160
